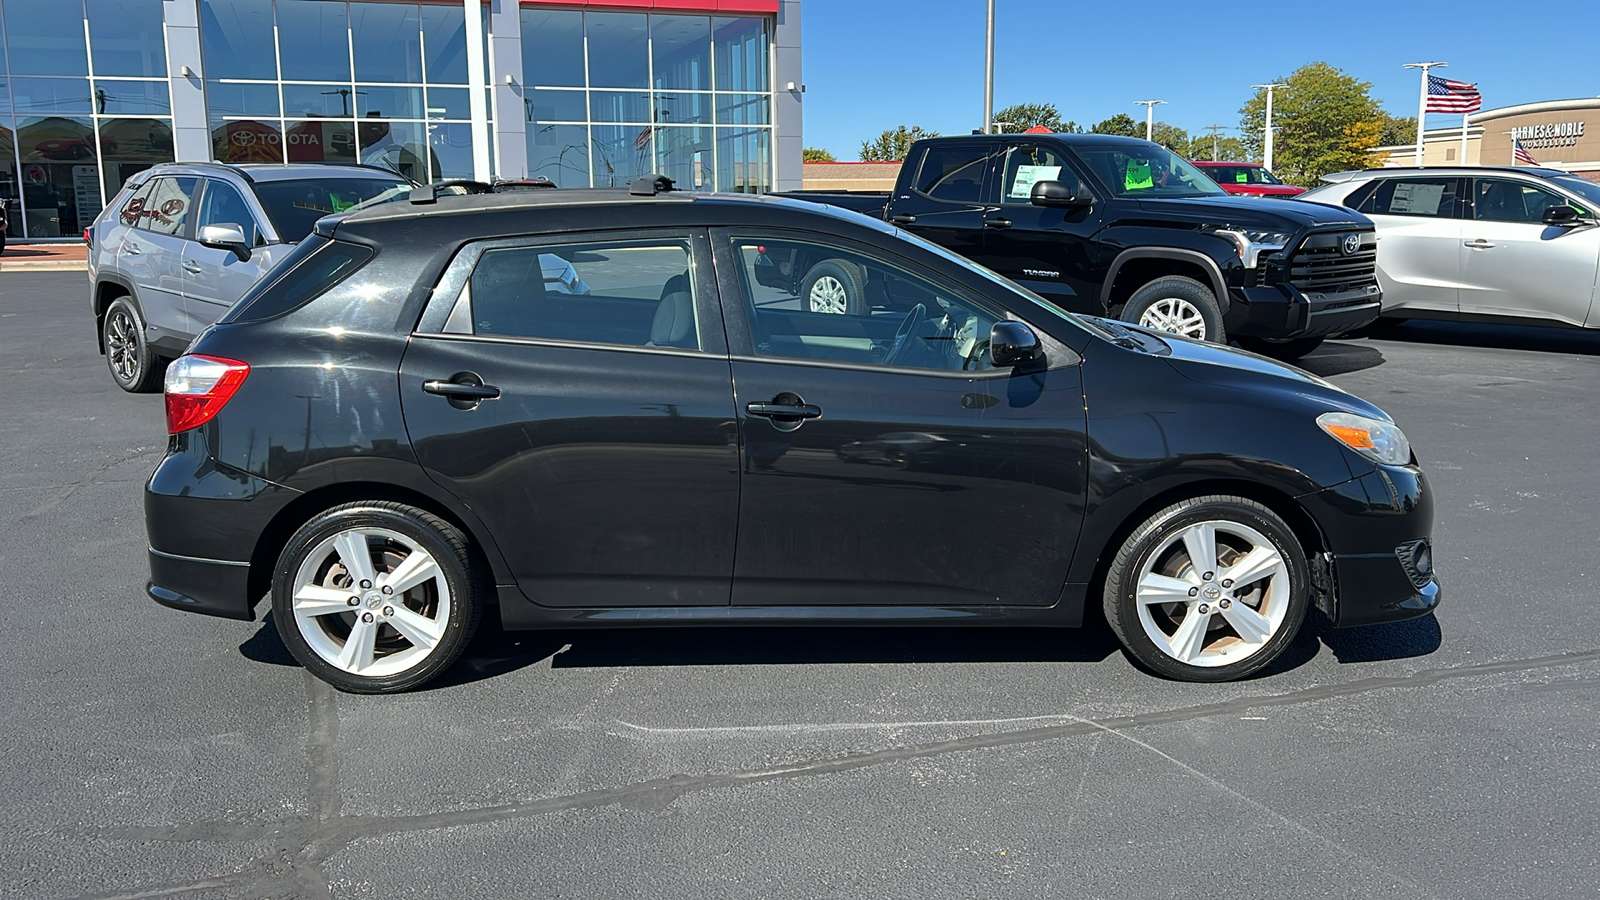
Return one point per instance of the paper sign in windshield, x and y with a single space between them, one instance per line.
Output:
1416 199
1027 175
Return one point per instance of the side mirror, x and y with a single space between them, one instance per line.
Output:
1562 217
1013 344
1062 193
226 237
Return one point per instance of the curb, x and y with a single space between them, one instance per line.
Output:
45 265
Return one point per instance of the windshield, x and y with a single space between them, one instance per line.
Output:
1147 171
1240 175
295 206
1588 190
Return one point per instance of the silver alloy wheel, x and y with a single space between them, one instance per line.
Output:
1213 594
1175 315
828 295
122 347
371 602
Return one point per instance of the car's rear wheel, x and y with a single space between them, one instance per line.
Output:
834 286
1177 305
376 597
1208 589
1281 348
134 366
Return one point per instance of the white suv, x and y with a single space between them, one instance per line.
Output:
182 241
1518 245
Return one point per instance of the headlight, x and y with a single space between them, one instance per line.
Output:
1252 242
1375 439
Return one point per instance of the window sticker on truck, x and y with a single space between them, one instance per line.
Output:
1026 176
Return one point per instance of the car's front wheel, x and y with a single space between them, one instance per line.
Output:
1177 305
134 366
376 597
1208 589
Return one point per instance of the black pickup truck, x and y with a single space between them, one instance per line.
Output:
1116 227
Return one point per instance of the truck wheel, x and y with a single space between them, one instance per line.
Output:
833 286
1178 305
1281 348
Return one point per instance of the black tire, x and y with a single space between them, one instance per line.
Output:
1187 291
828 277
134 366
453 616
1287 349
1157 545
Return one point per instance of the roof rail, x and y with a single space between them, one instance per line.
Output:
650 185
429 193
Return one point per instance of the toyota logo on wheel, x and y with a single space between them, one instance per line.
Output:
1352 243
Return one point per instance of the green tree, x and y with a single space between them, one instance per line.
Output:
1171 137
1326 122
1398 130
816 154
1121 123
1022 116
892 146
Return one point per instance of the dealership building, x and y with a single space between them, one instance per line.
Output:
1557 133
583 92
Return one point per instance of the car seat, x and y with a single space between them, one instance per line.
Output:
673 325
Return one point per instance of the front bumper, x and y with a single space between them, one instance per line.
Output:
1378 529
1283 311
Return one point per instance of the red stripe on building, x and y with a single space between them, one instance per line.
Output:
731 7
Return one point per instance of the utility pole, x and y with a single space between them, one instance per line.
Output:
1214 130
988 76
1149 115
1266 138
1422 100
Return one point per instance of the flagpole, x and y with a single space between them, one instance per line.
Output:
1422 101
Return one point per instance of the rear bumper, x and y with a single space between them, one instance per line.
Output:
214 587
1281 311
1378 530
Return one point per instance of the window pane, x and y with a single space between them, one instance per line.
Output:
449 103
741 50
621 106
381 102
318 100
236 37
633 295
246 141
552 48
45 38
129 146
795 294
618 49
451 147
743 109
387 40
50 96
682 48
683 108
295 206
555 106
1494 200
559 153
166 207
311 269
398 146
621 154
8 177
684 155
744 160
147 98
953 173
314 42
1431 197
126 37
229 99
222 204
1024 166
131 209
321 140
444 38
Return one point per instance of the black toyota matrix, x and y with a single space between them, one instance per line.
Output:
591 408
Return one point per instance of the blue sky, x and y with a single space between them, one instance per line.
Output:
875 64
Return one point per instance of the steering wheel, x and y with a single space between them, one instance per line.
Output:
902 335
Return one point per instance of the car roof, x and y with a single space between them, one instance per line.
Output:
1223 162
1396 171
267 172
1079 139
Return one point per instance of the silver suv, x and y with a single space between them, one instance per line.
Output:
182 241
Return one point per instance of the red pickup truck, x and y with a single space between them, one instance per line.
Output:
1247 179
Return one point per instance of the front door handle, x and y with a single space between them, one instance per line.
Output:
464 390
192 267
1479 244
902 219
786 411
997 223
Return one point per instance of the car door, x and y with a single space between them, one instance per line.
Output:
575 393
1419 240
944 200
150 252
214 278
1512 264
884 461
1050 251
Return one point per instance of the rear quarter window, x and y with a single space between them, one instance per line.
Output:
308 272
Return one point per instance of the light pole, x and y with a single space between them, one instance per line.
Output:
1422 101
1149 115
1266 138
1215 130
988 74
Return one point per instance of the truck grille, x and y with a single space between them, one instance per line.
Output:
1322 266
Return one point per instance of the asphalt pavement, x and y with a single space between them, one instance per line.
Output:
154 753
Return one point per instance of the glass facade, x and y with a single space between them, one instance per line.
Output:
610 96
607 94
84 104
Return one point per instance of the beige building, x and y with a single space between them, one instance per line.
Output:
1561 134
850 176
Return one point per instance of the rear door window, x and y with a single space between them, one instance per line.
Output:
165 209
1423 197
954 172
134 206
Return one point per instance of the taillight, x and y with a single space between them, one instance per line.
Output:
197 388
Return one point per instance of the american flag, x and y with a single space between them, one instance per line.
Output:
1445 95
1520 155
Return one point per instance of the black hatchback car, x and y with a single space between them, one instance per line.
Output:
585 408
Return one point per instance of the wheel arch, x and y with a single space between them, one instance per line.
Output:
107 289
1138 266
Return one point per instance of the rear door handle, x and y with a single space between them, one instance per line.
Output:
464 390
902 219
131 249
783 411
1479 244
192 267
997 223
